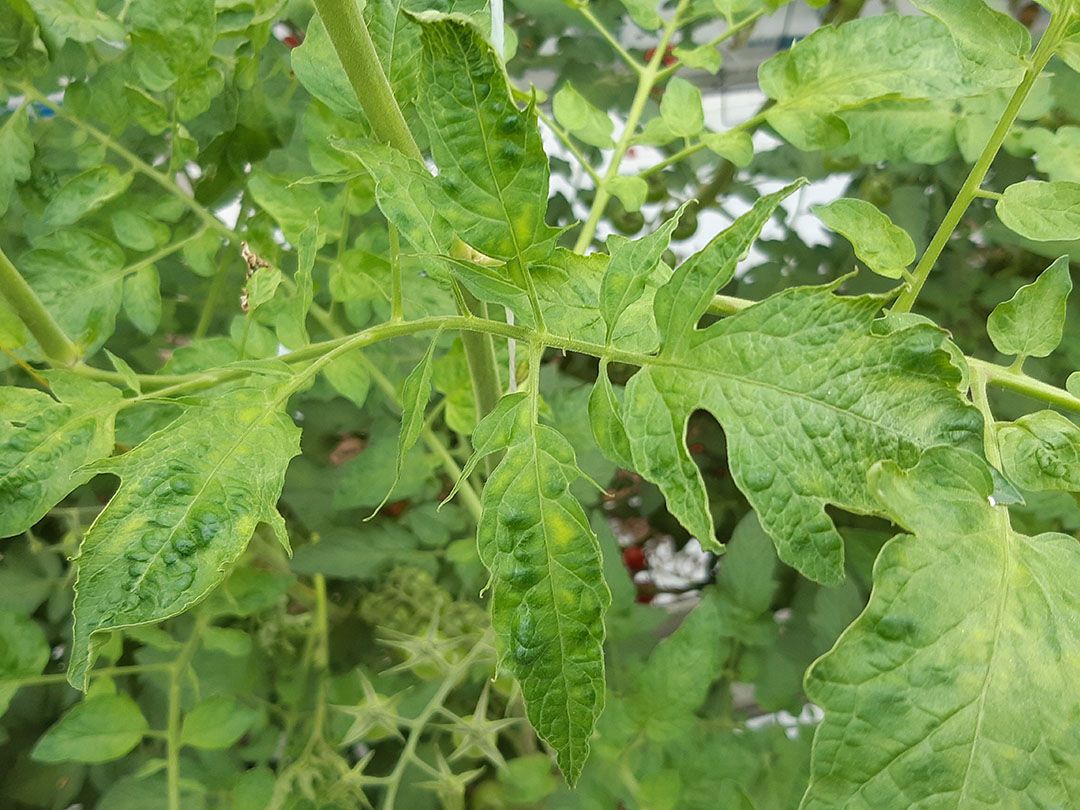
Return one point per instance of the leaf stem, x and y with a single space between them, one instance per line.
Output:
969 190
57 346
719 39
602 29
646 81
172 732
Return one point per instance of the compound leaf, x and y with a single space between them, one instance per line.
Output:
956 700
548 593
1030 324
45 442
809 396
189 500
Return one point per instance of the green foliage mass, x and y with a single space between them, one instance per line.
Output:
372 434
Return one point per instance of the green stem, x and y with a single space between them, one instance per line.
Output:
719 39
1006 378
46 331
417 726
969 190
646 81
982 402
352 41
611 40
172 733
104 672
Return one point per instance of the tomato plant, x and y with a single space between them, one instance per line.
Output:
373 432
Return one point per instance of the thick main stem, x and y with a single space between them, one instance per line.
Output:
970 189
351 39
24 301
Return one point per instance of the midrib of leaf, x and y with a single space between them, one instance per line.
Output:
1006 569
550 579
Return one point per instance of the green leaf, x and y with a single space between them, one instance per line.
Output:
24 652
409 197
1041 451
142 299
295 333
644 13
704 57
1030 324
605 416
1041 211
1057 154
415 393
84 193
681 302
189 500
78 20
883 247
492 166
138 231
679 673
44 445
631 191
350 376
78 279
98 729
318 69
809 396
680 107
632 262
131 379
995 42
839 68
747 572
920 131
580 117
734 145
291 206
548 592
261 286
942 674
16 152
216 723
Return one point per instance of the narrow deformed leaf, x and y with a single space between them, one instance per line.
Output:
492 166
189 500
632 262
681 302
1041 211
99 729
809 396
885 248
44 444
956 700
548 593
415 393
605 416
1041 451
1030 324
